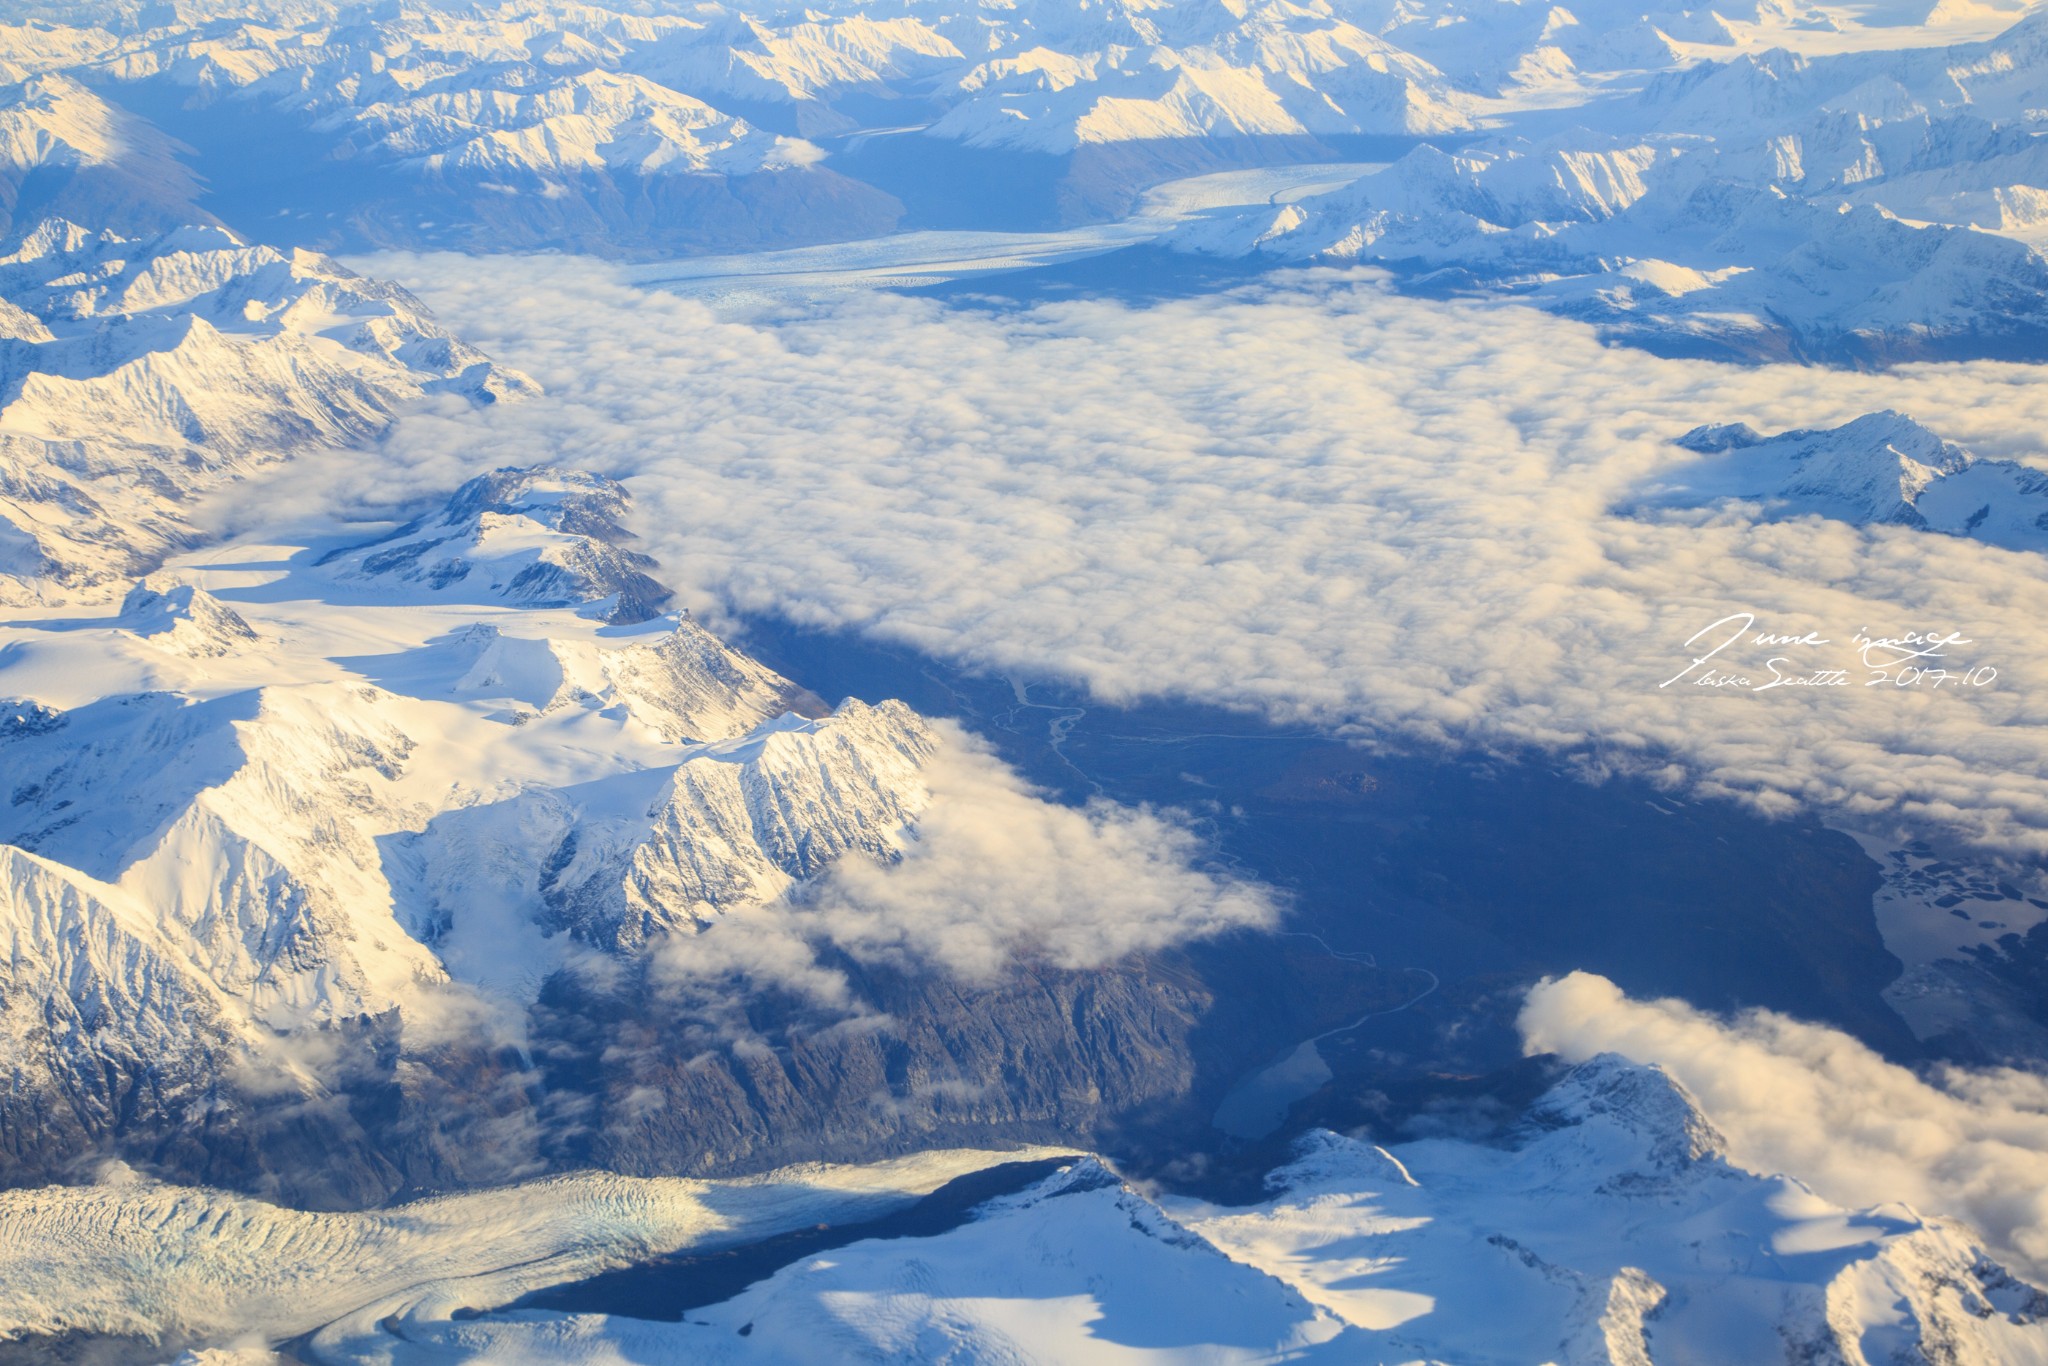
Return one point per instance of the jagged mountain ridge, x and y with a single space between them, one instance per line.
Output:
1882 469
743 823
515 125
231 828
1870 206
537 537
139 374
66 153
1700 215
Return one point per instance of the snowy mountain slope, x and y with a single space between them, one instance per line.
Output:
1615 1146
141 373
1770 204
1079 1268
258 841
105 1020
537 537
251 824
246 826
736 825
803 64
67 153
523 126
185 620
1263 80
590 122
1881 469
1612 1230
1653 242
37 45
681 687
423 840
516 125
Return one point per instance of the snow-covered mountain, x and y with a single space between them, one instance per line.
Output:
1438 1251
340 862
535 537
268 836
139 374
234 849
1269 75
737 825
1611 1228
595 121
517 124
1863 205
1881 469
1652 239
67 153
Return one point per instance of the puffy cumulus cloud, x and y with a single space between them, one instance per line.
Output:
996 874
1815 1104
1309 497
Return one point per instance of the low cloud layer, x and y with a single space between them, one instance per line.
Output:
1815 1104
997 875
1310 498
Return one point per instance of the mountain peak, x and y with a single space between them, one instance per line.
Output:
1644 1102
538 536
184 618
1882 469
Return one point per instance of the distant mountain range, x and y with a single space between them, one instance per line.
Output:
1669 175
1861 207
1883 469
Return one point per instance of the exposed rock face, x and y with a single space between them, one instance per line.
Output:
740 824
1043 1056
331 939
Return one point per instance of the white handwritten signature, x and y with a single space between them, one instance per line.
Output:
1912 659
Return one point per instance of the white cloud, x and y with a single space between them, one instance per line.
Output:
999 873
1312 498
1815 1104
996 874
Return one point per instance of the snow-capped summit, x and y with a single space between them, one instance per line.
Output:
1881 469
538 537
592 121
1649 1128
67 152
684 687
1267 78
1649 1101
716 839
1873 469
184 619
